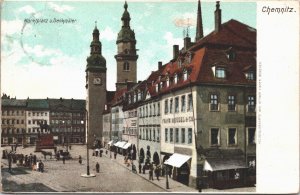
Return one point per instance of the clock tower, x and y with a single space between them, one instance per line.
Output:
96 90
126 57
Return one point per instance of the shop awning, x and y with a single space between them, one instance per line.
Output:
224 164
177 160
117 144
110 142
126 145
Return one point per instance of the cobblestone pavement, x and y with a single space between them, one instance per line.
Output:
114 176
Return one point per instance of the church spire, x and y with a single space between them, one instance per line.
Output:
126 16
199 31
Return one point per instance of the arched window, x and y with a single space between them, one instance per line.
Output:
126 66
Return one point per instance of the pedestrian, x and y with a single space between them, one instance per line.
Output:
70 147
80 159
9 162
115 155
34 159
133 168
157 172
140 168
144 169
38 166
57 156
97 167
64 159
41 166
151 173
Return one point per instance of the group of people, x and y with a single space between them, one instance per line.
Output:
29 161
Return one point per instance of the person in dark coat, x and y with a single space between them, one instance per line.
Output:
80 159
97 167
144 169
64 159
151 172
157 170
41 166
115 155
140 168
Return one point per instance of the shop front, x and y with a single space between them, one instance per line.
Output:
180 167
224 173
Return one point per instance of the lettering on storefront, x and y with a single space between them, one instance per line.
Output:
178 120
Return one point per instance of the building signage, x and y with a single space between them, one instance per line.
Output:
178 119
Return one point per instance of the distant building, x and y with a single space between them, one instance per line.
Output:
24 120
37 114
13 124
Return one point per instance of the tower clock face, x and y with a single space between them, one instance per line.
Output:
97 81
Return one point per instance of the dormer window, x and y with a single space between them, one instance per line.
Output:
179 62
134 98
168 82
220 73
185 75
175 78
250 75
231 54
139 96
156 86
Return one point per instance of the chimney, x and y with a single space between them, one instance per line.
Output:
175 51
187 42
159 65
218 18
199 29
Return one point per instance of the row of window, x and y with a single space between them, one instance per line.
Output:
151 109
231 103
12 121
38 114
172 80
61 122
171 107
69 114
13 112
38 122
130 130
182 135
215 137
149 134
19 130
68 130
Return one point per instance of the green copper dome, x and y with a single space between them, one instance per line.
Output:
125 35
96 61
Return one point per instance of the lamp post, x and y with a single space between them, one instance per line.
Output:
87 175
167 180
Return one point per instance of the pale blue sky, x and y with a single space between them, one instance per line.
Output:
48 60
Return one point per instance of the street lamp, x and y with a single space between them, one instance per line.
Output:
167 180
87 175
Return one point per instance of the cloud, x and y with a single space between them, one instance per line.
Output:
11 27
27 9
171 40
185 20
41 51
65 77
108 34
60 8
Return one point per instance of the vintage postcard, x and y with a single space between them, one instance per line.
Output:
150 96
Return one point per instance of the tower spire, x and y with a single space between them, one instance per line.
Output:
199 30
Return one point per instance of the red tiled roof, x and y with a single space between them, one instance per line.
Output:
208 52
232 33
